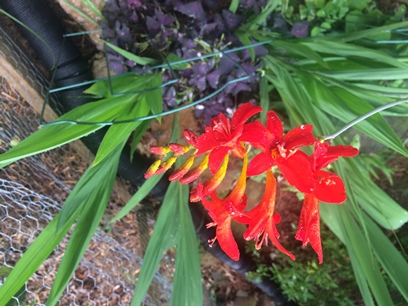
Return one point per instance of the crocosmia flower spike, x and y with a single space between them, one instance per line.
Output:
236 137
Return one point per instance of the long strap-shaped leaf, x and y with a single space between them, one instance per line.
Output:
90 192
92 209
174 226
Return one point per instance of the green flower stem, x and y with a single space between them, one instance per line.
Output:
361 118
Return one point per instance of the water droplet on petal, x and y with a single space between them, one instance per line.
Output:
302 127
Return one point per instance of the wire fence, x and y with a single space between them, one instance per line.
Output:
32 192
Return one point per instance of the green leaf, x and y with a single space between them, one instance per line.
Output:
32 259
360 254
172 58
105 110
348 50
91 6
187 288
392 261
137 136
377 203
165 234
126 54
381 74
233 6
154 97
368 34
264 98
342 104
143 191
299 49
94 193
119 133
124 84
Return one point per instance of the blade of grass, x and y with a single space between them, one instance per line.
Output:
382 74
264 98
143 191
116 134
137 136
92 208
165 234
392 261
32 259
52 136
133 57
348 50
187 289
85 15
345 106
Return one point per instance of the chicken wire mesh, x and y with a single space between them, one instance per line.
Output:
32 192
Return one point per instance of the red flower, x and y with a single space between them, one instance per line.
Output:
222 211
263 220
222 136
328 187
281 150
309 225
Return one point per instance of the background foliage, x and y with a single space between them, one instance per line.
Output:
288 65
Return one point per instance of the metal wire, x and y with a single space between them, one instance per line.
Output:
32 192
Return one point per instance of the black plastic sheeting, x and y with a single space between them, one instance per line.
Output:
72 69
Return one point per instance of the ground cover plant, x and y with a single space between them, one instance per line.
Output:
238 51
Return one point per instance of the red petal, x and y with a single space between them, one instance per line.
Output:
309 225
210 185
300 136
297 171
221 128
191 138
226 239
216 157
257 135
273 235
274 124
206 142
326 154
329 188
182 170
243 113
194 173
260 163
235 198
341 150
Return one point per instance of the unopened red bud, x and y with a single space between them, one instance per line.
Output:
166 165
182 170
178 148
159 150
152 169
191 138
194 173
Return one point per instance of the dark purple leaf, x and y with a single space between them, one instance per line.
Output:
220 28
111 11
208 28
153 26
123 32
280 24
164 19
213 78
134 4
300 29
134 18
240 87
115 62
231 20
199 82
193 9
